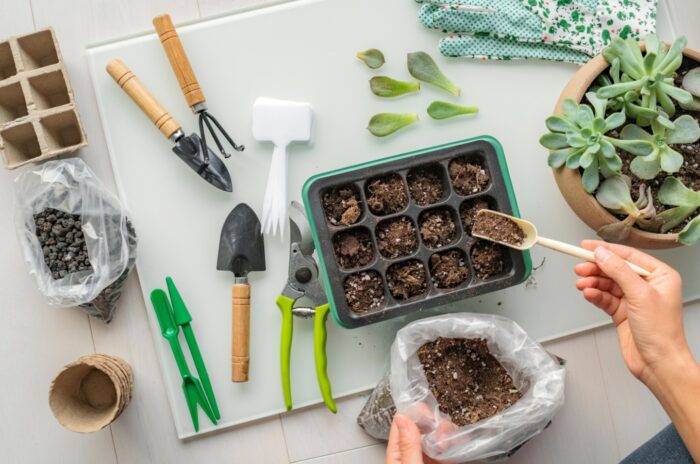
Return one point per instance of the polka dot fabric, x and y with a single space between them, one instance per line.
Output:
557 30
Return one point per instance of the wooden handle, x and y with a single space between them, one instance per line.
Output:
128 81
178 60
582 253
240 342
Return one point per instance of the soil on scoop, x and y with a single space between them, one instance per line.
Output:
396 237
62 242
499 228
364 291
386 195
467 381
342 205
448 268
437 228
489 259
468 177
425 185
353 248
468 210
689 173
406 280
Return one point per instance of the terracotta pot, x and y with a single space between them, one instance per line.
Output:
569 180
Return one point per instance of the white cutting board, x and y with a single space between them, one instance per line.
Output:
305 51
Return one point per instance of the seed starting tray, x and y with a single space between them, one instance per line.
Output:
38 119
485 151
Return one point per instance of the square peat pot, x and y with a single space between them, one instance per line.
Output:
385 255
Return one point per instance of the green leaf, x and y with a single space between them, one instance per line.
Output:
373 58
423 67
554 141
636 147
673 58
557 158
384 86
614 194
575 139
570 109
645 167
691 82
651 42
444 110
384 124
690 233
599 104
615 90
573 161
670 160
692 106
585 116
599 125
674 216
687 130
680 95
590 178
613 164
607 148
674 193
559 124
614 121
665 101
634 132
587 157
664 122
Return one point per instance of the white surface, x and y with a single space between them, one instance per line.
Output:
601 421
158 187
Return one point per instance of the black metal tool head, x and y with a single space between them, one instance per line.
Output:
241 246
206 164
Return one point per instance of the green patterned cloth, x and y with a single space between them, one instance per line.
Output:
557 30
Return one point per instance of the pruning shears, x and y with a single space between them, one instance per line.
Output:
303 281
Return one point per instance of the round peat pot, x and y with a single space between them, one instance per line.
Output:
581 202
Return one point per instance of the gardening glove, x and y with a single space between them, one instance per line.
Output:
558 30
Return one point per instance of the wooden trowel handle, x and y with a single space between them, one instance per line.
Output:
178 60
128 81
240 330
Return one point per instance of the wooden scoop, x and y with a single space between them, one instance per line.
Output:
531 238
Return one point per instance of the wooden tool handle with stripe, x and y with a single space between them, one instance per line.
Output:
128 81
178 60
240 330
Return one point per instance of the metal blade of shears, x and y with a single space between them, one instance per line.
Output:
300 231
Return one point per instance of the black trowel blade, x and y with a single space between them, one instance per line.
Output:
241 247
189 149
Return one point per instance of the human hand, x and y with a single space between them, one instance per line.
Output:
648 313
404 445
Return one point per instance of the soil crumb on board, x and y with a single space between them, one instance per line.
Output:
342 205
396 238
489 259
437 228
467 381
425 185
448 268
387 195
406 280
353 248
60 235
468 211
498 228
364 291
468 177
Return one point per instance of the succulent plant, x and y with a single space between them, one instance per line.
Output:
577 139
648 77
373 58
444 110
384 124
614 195
663 157
685 203
691 83
423 67
387 87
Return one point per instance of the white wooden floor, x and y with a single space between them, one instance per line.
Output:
607 413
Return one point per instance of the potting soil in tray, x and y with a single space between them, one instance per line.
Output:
394 235
468 383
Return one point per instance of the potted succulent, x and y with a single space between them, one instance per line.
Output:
625 143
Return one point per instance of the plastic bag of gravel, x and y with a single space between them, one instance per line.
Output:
75 236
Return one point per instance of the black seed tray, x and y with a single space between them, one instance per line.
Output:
485 151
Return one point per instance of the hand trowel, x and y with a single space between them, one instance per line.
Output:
280 122
187 147
241 250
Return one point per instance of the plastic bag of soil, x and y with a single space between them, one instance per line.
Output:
75 236
534 372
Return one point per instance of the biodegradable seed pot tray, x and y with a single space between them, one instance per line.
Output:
394 235
38 119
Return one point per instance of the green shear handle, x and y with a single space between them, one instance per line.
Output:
286 306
